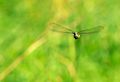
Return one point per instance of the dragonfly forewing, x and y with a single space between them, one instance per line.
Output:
63 27
91 30
61 31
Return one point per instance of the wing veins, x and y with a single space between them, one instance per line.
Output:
63 27
91 30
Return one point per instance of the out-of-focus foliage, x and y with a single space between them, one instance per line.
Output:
57 57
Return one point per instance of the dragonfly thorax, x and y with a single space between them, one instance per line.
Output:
76 35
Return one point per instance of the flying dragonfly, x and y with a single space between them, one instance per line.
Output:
75 34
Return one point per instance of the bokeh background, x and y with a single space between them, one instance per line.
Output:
31 52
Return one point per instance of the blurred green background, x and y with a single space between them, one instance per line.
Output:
30 52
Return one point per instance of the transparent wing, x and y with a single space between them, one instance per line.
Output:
64 27
55 30
91 30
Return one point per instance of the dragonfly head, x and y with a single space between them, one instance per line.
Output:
76 35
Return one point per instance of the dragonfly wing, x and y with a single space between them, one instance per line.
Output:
61 31
91 30
64 27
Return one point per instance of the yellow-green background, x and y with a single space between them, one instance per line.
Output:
30 52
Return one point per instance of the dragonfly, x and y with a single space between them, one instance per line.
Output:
76 35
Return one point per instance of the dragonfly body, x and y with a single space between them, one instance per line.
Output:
77 35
